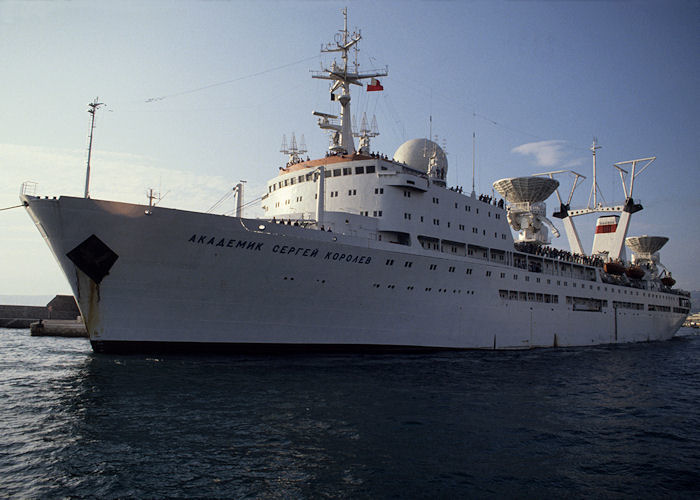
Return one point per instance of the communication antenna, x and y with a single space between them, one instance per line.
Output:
293 150
92 109
473 161
594 190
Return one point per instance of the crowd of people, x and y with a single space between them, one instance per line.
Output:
555 253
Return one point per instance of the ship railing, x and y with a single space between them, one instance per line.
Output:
28 188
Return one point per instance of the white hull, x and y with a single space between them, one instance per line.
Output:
192 279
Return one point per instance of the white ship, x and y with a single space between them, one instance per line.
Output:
359 250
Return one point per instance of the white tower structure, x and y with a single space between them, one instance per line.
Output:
343 75
563 212
611 228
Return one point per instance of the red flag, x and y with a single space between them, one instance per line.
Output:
375 85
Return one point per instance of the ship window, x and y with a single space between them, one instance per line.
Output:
359 170
269 189
433 267
488 273
377 213
301 178
503 294
370 169
503 275
286 182
309 176
527 278
451 269
407 194
408 264
327 173
292 181
347 171
390 262
469 271
467 208
407 216
522 295
378 190
336 172
456 205
477 210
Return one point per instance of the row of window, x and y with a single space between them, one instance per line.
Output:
469 271
336 172
427 289
528 296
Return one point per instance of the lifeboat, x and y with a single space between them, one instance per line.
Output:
614 268
635 272
668 281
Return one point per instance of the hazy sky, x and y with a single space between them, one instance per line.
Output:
199 94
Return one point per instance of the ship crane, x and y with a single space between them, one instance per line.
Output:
612 226
563 213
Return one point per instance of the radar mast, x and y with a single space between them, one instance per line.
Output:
343 76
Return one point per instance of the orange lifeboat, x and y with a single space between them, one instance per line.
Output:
614 268
635 272
668 281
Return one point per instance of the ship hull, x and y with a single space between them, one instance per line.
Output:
157 279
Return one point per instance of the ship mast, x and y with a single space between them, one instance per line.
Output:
343 76
93 106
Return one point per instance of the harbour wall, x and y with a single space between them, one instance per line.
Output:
60 307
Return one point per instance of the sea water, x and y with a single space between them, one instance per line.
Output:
620 421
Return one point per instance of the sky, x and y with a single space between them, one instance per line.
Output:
199 94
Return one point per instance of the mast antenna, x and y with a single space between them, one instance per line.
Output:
473 161
92 109
594 189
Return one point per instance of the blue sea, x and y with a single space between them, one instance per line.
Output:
620 422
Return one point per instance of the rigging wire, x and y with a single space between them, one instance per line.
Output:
226 82
16 206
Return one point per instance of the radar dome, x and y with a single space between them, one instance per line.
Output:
416 154
645 244
526 189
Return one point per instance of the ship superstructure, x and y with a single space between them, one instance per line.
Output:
356 250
